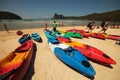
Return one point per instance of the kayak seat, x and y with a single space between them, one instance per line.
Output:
87 47
106 56
11 57
69 49
22 48
86 64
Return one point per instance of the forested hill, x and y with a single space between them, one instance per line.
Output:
8 15
113 16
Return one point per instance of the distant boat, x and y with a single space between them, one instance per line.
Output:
10 20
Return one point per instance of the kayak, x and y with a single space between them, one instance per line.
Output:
73 58
19 32
36 37
53 41
20 57
24 38
57 33
88 34
74 35
63 39
82 32
48 34
98 36
112 37
92 52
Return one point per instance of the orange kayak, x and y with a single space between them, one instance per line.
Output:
15 60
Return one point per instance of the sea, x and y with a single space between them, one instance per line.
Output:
38 23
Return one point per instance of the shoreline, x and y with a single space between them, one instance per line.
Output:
47 67
22 24
81 27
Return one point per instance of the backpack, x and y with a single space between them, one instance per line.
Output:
88 25
102 24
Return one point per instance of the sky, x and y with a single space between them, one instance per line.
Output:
32 9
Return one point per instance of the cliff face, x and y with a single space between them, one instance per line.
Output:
113 16
8 15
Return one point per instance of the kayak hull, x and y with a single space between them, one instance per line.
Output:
24 38
15 60
36 37
73 59
92 52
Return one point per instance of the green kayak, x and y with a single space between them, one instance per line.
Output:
74 35
60 34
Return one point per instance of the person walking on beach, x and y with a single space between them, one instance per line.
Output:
45 26
90 26
62 24
104 26
54 25
5 27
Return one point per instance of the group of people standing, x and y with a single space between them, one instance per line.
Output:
54 25
104 26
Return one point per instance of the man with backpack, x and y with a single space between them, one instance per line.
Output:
90 26
104 26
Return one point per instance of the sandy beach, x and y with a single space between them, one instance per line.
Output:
45 65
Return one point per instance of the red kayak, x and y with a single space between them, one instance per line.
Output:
25 46
92 53
19 32
98 36
112 37
62 39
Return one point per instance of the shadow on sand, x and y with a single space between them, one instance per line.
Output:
40 40
30 71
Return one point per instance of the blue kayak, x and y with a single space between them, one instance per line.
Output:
72 58
36 37
24 38
53 41
48 34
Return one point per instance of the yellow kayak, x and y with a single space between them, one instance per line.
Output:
15 59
